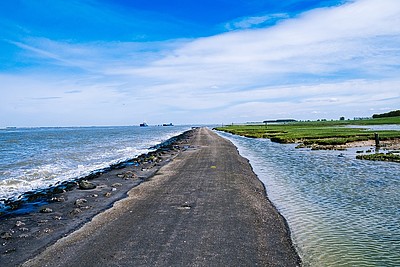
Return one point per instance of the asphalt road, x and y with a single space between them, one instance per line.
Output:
205 208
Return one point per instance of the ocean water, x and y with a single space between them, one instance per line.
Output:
33 158
341 211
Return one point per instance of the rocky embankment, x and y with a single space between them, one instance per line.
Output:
39 218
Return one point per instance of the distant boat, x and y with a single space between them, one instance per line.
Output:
143 124
167 124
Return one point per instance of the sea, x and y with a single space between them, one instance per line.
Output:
341 211
37 158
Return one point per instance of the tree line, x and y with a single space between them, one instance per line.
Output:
394 113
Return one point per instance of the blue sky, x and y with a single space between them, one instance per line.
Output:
119 62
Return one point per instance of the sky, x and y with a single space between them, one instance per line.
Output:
120 62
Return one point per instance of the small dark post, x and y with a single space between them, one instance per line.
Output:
376 139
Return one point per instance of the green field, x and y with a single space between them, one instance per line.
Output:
324 133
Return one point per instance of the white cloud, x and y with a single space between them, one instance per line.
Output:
317 42
254 21
338 61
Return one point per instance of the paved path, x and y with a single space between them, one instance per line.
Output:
205 208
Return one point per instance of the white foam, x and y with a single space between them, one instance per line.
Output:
73 161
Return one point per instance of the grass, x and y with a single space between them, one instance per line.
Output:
324 133
380 157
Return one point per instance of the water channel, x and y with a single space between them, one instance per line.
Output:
341 211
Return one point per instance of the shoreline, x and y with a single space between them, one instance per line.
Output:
326 135
47 239
29 200
41 217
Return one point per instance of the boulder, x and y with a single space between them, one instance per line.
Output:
19 224
6 235
80 202
86 185
46 210
75 211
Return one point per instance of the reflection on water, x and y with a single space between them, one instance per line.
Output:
341 211
383 127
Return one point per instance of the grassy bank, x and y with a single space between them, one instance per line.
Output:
322 133
380 157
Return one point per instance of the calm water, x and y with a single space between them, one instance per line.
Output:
341 211
383 127
34 158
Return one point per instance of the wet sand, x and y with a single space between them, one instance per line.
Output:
393 144
206 207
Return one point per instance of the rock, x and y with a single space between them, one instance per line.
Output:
301 145
86 185
6 235
58 199
108 194
151 158
46 210
19 224
75 211
126 175
80 202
